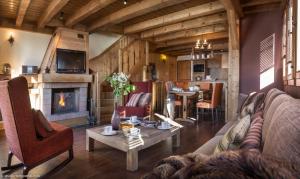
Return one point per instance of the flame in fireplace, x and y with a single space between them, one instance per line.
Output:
61 101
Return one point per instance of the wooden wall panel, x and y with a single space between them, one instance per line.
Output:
183 70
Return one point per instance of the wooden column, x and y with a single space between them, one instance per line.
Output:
147 57
120 65
233 65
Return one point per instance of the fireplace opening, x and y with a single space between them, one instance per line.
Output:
64 101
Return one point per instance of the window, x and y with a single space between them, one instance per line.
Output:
298 38
290 56
267 61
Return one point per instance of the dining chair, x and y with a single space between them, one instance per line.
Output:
205 87
212 104
172 97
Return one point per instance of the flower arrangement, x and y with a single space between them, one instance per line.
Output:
120 84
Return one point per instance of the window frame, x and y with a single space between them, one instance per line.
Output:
291 72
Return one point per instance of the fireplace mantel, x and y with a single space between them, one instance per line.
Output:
64 78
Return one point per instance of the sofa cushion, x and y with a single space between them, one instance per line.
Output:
234 136
134 99
271 95
282 140
226 127
273 107
253 137
209 146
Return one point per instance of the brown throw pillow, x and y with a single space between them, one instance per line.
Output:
42 127
253 137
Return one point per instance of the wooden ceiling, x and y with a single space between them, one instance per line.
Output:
173 25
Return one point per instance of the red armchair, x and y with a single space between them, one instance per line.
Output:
20 131
126 111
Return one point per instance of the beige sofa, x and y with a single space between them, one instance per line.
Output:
281 128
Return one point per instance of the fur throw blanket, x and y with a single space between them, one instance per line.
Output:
242 164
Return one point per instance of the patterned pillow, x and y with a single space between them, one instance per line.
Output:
252 104
134 99
144 99
253 137
234 136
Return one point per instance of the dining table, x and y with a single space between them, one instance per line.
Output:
184 95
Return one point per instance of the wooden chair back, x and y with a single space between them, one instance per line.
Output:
217 94
205 86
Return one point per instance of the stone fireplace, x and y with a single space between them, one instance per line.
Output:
64 76
60 101
64 100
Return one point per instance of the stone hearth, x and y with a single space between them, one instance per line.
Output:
51 82
81 100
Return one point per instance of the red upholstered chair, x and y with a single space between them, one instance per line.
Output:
20 131
126 111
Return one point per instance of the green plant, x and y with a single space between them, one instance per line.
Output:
120 84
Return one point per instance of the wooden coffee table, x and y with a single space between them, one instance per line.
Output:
149 137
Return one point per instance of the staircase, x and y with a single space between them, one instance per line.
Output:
106 104
126 55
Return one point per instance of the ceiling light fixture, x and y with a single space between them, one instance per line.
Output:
125 2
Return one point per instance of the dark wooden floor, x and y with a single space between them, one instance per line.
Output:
106 162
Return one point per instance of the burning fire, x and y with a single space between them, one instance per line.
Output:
61 101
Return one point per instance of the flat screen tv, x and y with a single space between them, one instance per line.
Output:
198 68
70 61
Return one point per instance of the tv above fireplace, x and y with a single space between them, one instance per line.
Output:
70 61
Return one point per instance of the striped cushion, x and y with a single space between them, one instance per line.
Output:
253 137
144 100
234 136
134 99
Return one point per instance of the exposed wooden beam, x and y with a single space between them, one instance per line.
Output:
212 36
134 10
87 10
26 26
233 5
215 46
188 52
24 4
189 13
186 25
192 32
54 7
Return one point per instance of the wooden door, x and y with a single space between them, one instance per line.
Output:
183 70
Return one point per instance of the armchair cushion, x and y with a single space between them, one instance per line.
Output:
144 100
41 125
134 99
60 141
126 111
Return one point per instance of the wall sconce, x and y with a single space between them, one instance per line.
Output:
163 57
11 39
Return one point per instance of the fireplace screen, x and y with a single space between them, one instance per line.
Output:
63 101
